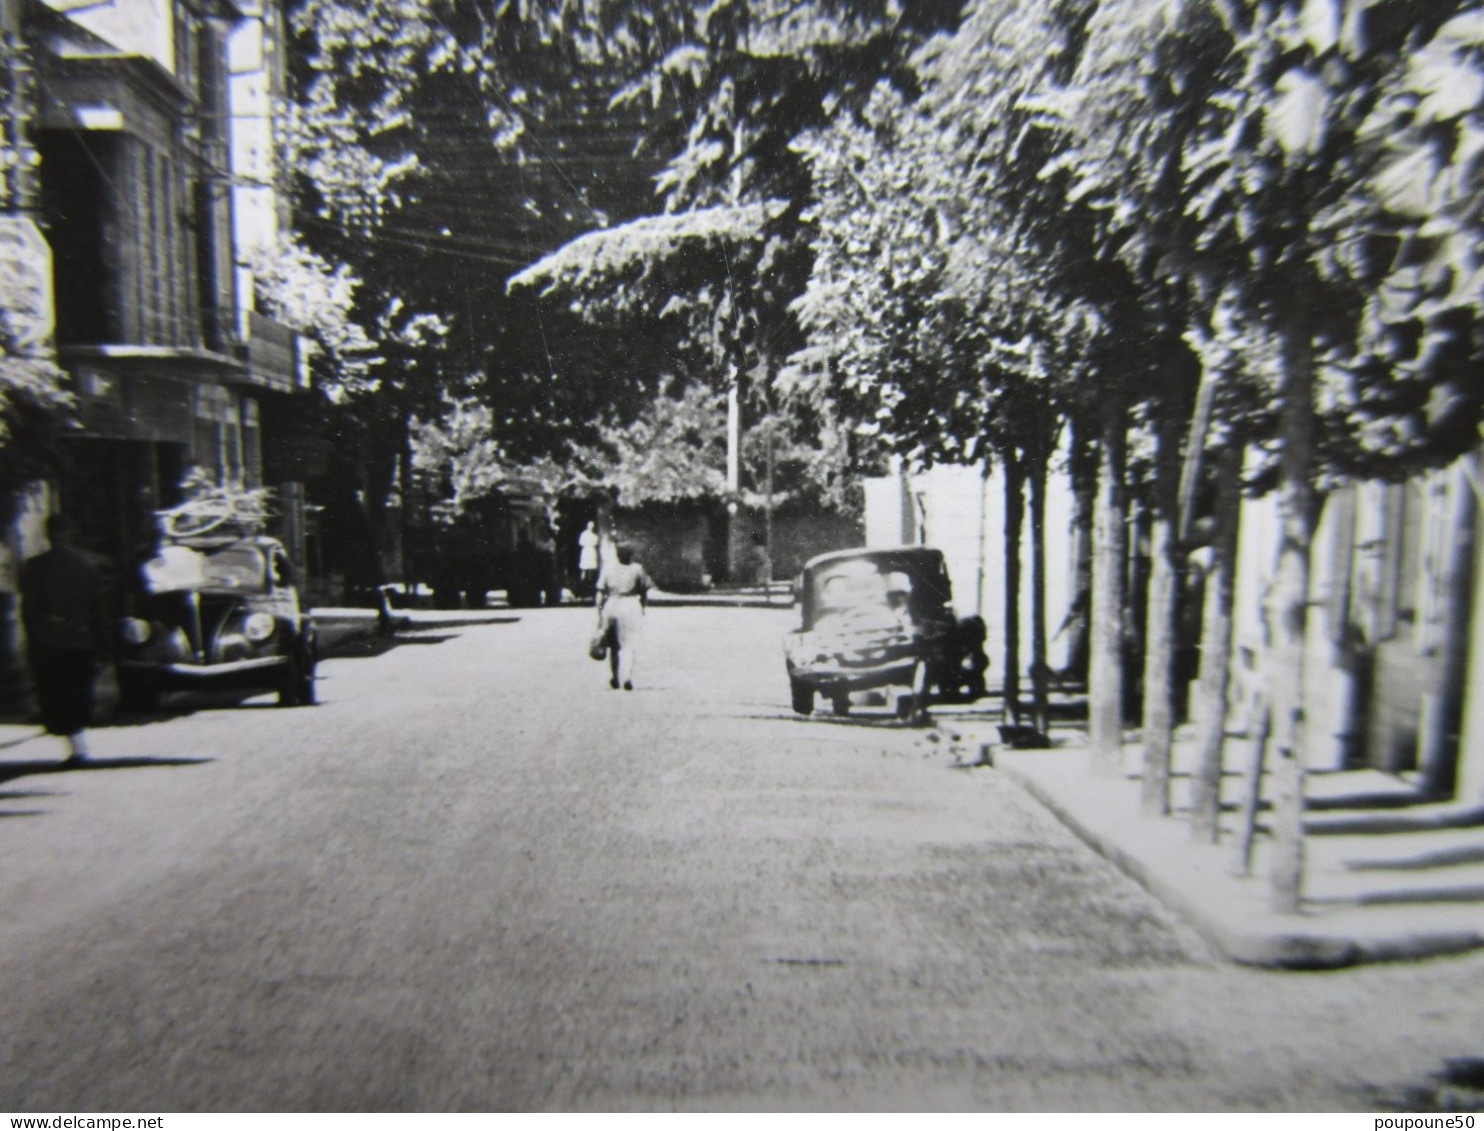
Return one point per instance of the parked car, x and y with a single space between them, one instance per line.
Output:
216 611
872 619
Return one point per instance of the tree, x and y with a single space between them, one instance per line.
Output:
1265 109
726 91
953 308
674 452
458 453
409 133
33 400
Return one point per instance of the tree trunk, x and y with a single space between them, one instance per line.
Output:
1014 521
1078 625
1216 643
1040 669
1109 547
1159 625
1287 614
376 463
1195 446
1438 743
406 535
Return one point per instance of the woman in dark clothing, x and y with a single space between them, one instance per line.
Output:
63 612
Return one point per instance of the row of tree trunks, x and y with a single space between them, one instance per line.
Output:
1170 505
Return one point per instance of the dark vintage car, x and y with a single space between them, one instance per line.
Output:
882 619
216 611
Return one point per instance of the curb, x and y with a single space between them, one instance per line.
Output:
1254 936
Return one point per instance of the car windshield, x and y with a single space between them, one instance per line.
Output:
858 583
908 582
233 567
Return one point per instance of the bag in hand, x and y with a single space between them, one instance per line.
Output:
602 640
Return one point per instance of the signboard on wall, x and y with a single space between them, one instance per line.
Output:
26 286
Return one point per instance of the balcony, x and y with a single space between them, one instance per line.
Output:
273 355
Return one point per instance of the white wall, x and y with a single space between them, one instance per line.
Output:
254 200
885 512
962 513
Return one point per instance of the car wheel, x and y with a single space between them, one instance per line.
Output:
307 694
137 693
291 683
912 707
803 696
296 686
974 686
841 703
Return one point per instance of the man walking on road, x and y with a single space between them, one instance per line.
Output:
66 633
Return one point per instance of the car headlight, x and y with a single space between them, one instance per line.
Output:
136 631
258 627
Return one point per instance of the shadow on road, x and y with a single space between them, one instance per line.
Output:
368 647
9 771
868 719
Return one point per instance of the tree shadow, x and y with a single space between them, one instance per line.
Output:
10 771
369 647
867 719
183 702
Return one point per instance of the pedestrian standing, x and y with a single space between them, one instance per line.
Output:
587 559
62 609
623 591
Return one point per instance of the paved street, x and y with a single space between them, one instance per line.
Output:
476 878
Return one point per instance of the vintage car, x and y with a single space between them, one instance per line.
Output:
882 619
216 611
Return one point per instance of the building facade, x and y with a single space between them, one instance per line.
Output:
135 190
121 193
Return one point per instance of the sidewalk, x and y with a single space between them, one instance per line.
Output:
1388 876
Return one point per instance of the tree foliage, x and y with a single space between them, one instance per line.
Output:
33 403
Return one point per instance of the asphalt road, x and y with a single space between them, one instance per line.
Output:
476 878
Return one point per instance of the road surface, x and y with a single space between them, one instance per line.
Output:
475 878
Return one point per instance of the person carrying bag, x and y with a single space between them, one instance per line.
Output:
623 591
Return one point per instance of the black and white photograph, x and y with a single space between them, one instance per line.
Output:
713 556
